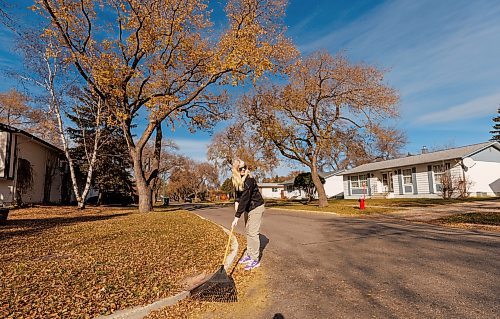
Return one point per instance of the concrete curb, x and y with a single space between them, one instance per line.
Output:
303 211
140 312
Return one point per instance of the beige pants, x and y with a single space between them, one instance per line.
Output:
253 220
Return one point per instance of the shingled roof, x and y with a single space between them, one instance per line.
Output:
444 155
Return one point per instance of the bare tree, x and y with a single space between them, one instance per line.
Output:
326 101
454 186
237 141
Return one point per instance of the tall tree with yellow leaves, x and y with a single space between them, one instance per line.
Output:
160 57
326 100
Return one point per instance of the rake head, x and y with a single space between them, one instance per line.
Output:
219 288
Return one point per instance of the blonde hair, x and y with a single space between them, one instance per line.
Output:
237 179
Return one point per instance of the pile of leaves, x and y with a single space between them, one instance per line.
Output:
60 262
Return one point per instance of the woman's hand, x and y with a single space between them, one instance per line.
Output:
235 222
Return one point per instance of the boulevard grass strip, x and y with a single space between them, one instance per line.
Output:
341 207
60 262
417 202
373 205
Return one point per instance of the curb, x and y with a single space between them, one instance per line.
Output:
303 210
140 312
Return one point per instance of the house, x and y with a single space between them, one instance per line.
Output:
477 166
271 190
292 192
334 187
334 184
31 170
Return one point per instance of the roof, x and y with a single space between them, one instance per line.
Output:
11 129
452 153
325 175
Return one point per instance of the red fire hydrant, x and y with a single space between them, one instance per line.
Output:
362 203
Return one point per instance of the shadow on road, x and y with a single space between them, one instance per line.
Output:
263 244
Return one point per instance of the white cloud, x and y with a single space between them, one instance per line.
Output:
472 109
442 55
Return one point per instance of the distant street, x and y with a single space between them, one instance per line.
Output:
324 266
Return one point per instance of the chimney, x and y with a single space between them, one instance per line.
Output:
424 150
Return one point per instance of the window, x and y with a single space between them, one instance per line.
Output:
358 181
354 182
275 190
385 180
407 177
439 171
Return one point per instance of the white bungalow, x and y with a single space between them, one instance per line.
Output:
292 192
43 162
271 190
333 186
420 175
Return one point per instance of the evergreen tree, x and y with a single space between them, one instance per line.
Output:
113 165
227 187
496 127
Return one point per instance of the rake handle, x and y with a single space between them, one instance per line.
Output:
227 246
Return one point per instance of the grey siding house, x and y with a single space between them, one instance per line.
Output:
420 175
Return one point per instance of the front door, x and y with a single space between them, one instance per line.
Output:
387 182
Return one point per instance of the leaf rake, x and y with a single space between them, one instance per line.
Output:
220 287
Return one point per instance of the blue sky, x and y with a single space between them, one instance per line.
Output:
443 56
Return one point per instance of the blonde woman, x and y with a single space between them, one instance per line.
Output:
250 203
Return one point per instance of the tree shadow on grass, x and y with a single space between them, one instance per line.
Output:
33 226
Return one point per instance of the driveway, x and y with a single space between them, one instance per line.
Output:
325 266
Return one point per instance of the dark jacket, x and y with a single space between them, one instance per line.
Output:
250 198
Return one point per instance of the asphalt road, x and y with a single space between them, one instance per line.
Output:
325 266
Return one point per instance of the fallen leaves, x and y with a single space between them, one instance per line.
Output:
62 262
249 284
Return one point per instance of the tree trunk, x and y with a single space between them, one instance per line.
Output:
323 200
81 204
99 198
144 190
145 198
144 183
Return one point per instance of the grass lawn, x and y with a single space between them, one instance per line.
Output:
417 202
58 262
351 206
486 218
341 207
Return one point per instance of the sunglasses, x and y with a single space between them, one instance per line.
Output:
242 168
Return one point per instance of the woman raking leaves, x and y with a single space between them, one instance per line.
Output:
249 202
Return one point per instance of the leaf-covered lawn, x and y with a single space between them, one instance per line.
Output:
486 218
250 286
58 262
